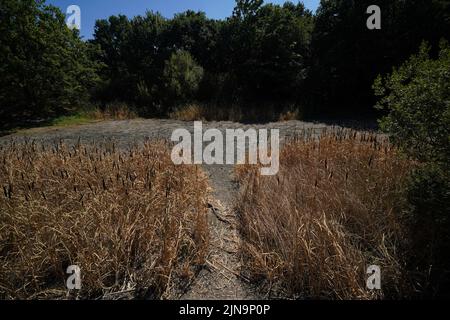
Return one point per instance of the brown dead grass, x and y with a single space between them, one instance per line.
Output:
332 211
114 111
207 112
191 112
132 221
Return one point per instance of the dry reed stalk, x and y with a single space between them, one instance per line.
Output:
131 220
333 210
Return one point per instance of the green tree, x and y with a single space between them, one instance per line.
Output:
134 53
417 97
193 32
347 57
270 49
247 8
182 77
111 36
45 67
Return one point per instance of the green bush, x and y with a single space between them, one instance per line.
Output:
417 97
182 78
45 67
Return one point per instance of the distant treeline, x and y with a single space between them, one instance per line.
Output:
264 55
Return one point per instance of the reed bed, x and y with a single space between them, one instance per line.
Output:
132 221
333 210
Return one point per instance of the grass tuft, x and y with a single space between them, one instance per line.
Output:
132 221
332 211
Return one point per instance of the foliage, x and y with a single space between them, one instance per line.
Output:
45 67
259 56
417 97
263 57
270 46
347 56
182 77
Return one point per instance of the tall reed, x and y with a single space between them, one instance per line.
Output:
132 221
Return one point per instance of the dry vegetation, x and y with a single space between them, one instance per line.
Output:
290 115
333 210
235 113
134 223
206 112
114 111
191 112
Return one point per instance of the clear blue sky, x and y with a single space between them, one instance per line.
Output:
92 10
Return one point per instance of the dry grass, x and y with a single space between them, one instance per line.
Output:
332 211
132 221
289 115
191 112
236 113
207 112
114 111
119 112
233 113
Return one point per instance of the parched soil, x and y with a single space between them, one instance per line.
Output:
221 278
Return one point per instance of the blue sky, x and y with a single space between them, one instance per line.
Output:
92 10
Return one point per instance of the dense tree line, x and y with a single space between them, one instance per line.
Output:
347 56
45 69
270 54
263 55
258 54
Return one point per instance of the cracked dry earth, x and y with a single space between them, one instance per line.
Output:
221 279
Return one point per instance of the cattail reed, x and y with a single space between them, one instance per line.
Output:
337 212
112 213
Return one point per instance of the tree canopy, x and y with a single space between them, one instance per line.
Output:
323 63
45 68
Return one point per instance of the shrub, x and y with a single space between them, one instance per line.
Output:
182 78
429 221
117 111
417 97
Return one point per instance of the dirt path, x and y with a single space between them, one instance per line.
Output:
221 278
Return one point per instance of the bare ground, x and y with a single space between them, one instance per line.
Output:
221 279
